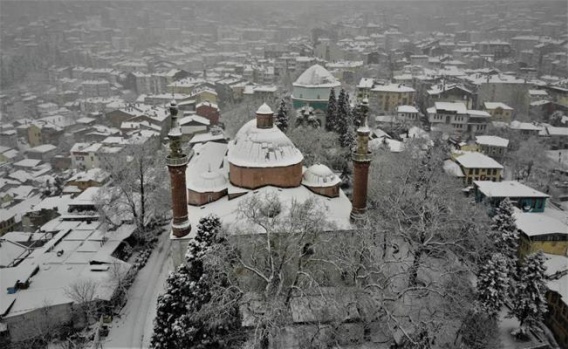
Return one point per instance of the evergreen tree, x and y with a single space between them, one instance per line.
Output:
344 121
188 290
493 284
528 296
282 116
331 114
504 228
359 113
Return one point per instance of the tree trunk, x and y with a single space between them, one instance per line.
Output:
414 268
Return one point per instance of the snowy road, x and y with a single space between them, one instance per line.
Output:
134 327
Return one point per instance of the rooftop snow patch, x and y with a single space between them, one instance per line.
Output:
477 160
507 189
492 141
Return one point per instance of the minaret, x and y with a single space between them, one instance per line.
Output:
177 163
361 162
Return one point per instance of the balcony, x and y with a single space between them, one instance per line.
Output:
176 161
361 157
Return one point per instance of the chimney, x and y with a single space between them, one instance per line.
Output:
361 161
177 164
264 117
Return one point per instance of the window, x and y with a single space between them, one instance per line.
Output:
476 171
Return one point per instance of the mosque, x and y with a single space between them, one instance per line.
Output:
262 161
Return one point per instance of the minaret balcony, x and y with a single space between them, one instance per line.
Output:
361 157
178 160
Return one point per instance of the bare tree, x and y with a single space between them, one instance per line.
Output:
137 192
83 292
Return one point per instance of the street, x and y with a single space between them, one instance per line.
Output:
134 327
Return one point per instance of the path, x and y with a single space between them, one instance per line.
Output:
134 327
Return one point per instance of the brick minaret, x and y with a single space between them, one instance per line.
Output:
177 163
361 162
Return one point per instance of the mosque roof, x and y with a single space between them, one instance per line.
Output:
256 147
316 76
319 175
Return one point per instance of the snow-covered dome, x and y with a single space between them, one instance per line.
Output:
264 109
262 147
319 175
208 181
316 76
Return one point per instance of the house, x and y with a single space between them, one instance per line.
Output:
194 124
522 196
386 98
479 167
452 93
557 297
499 111
540 232
209 111
458 117
84 155
408 113
493 146
42 152
525 128
94 177
556 137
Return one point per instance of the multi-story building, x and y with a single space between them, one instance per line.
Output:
313 87
493 146
458 117
479 167
386 98
407 113
557 297
499 111
520 195
96 88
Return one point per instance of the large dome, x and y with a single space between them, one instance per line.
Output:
316 76
262 147
208 181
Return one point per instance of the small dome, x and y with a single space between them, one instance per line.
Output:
208 181
264 109
316 75
319 175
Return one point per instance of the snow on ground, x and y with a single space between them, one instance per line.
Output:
134 327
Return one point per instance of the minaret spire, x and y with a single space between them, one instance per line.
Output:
361 161
177 164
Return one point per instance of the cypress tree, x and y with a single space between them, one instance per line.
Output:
331 114
282 120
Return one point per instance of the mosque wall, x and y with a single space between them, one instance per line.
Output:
252 178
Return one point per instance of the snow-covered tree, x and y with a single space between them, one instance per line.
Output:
505 235
344 123
479 331
307 118
137 192
529 302
493 284
331 113
180 320
282 120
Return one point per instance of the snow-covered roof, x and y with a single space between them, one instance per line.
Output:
557 265
316 76
406 109
457 107
478 113
492 141
336 209
477 160
495 105
29 163
319 175
44 148
392 88
206 171
538 93
508 189
525 126
255 147
264 109
535 224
